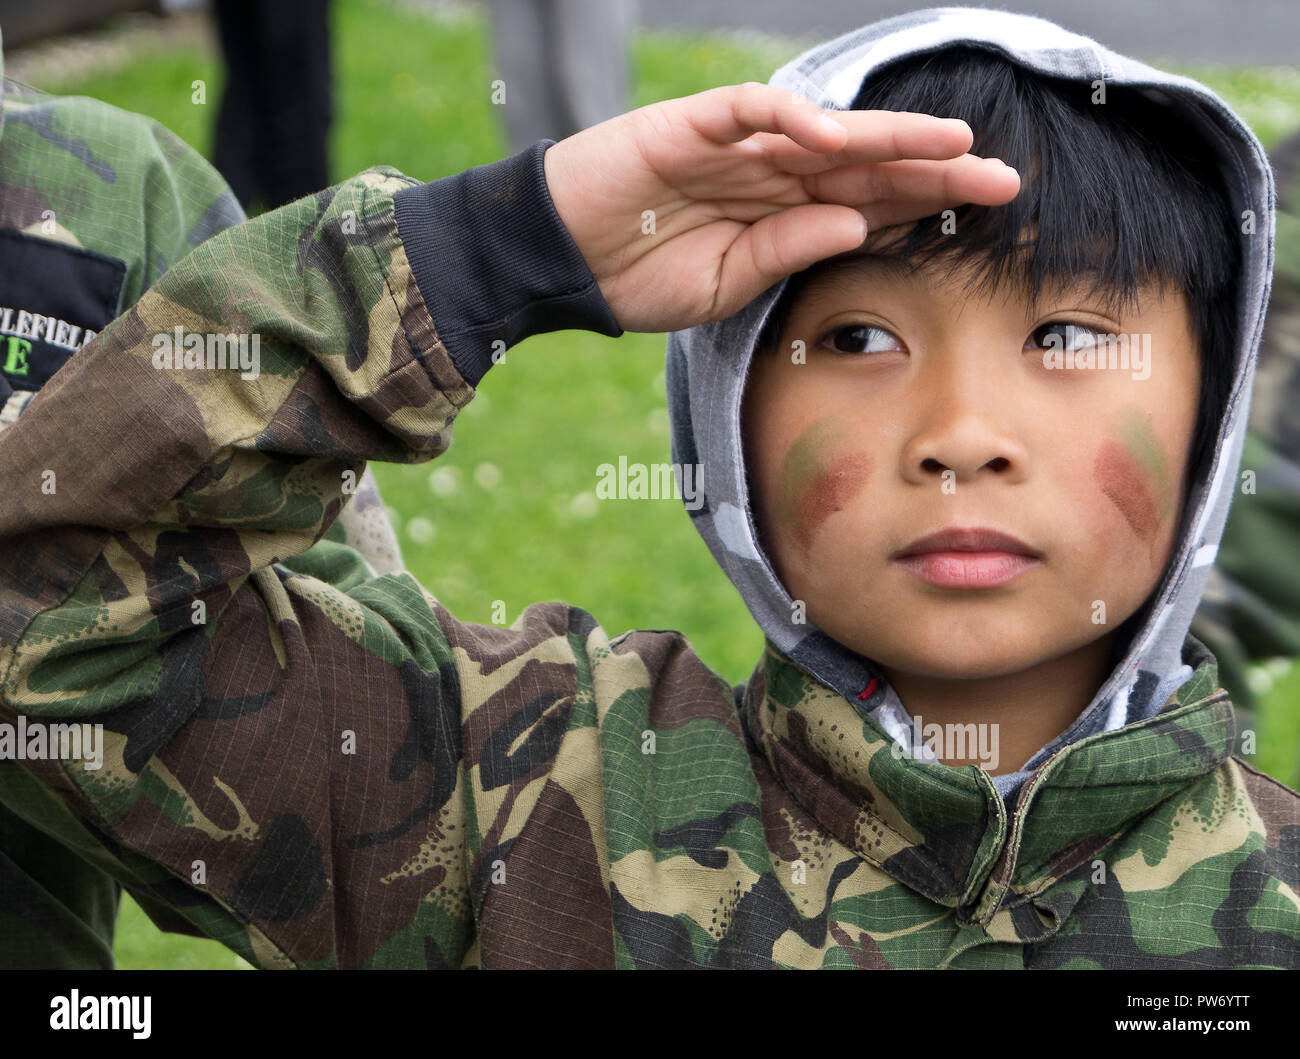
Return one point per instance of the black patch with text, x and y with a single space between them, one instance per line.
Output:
53 299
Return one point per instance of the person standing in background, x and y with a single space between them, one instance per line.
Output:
276 109
564 64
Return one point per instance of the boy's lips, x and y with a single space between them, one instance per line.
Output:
968 558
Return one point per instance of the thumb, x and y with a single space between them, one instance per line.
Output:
781 244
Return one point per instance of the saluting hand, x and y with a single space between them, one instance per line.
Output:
688 209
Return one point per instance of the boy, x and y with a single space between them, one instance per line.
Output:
95 204
963 521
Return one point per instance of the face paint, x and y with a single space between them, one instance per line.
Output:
1134 475
815 481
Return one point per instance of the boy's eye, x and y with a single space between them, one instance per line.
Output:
1062 335
861 338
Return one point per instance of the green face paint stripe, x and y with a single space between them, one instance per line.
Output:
802 465
1143 443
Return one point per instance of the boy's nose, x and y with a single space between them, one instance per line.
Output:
959 448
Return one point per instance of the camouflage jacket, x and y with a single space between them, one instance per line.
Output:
95 204
324 768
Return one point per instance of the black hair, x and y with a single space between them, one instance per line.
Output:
1117 191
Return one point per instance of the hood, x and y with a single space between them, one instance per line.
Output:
707 367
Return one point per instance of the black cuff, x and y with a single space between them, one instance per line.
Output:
494 261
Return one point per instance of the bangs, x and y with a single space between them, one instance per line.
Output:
1116 193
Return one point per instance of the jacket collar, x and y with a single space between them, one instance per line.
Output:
944 831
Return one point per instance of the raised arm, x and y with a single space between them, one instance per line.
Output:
290 750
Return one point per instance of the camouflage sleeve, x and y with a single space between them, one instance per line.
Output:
188 184
281 751
185 202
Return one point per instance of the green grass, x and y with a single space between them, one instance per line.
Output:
508 514
1277 731
139 945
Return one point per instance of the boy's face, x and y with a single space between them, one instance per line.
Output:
923 407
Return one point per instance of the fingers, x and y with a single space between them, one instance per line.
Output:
986 181
781 244
883 215
735 112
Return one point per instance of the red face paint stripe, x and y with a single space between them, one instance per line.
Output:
1124 484
830 491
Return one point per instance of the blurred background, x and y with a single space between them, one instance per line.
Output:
322 89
